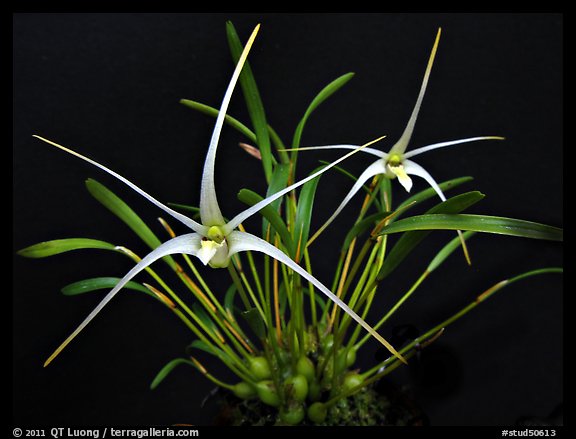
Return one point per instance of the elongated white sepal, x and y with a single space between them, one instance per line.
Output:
238 219
372 151
199 228
241 242
413 168
378 167
402 143
210 213
427 148
186 244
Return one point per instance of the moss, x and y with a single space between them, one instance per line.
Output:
379 406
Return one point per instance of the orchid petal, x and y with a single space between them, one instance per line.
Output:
209 209
187 244
198 228
207 250
378 167
238 219
241 242
413 168
372 151
427 148
403 178
400 146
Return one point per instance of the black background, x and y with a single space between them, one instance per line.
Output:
108 86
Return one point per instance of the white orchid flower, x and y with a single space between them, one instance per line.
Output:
397 163
214 241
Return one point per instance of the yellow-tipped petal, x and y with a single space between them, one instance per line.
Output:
400 146
403 177
207 250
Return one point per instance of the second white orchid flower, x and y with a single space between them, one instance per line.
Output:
214 241
397 163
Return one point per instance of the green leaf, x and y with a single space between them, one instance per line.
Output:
278 182
119 208
255 322
57 246
447 250
167 369
477 223
304 215
208 348
430 192
204 317
211 111
250 198
279 145
101 283
240 127
253 101
361 226
229 298
324 94
409 241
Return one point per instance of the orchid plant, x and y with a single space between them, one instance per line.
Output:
292 353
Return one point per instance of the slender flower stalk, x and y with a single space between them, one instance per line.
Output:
396 163
214 241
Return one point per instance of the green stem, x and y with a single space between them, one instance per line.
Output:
311 290
238 282
397 305
479 299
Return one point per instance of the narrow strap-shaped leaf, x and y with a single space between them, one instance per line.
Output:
253 101
251 198
254 320
279 145
101 283
430 192
301 228
409 241
447 250
57 246
119 208
477 223
229 120
206 347
167 369
277 183
199 311
186 244
324 94
229 298
240 127
361 226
